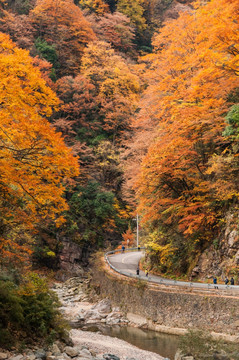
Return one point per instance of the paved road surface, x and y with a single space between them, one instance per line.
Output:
126 263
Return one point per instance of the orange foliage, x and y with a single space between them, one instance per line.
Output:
128 237
194 67
19 28
117 86
34 160
97 6
61 23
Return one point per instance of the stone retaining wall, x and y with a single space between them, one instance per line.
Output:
169 307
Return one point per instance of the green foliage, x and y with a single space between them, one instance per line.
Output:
141 285
232 119
97 6
201 346
47 247
135 11
22 6
11 312
28 310
167 251
44 256
216 243
233 96
46 51
196 343
93 215
112 4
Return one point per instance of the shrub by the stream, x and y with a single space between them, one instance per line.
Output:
201 346
28 312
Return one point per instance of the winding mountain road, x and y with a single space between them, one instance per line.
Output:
126 263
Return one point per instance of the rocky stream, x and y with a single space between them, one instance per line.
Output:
87 345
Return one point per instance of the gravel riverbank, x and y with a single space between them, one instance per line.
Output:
76 307
101 345
84 345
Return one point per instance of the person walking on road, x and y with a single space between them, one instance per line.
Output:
232 281
215 282
226 280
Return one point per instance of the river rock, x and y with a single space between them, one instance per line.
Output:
71 351
65 357
178 355
40 354
101 312
31 357
55 350
113 318
85 354
110 357
103 307
218 356
3 356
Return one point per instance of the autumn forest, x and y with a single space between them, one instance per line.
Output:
110 109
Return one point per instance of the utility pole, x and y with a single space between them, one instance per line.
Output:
137 231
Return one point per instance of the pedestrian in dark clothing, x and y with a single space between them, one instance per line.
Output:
226 280
137 271
147 273
123 248
232 281
215 282
138 247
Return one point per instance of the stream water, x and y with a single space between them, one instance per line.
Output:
162 344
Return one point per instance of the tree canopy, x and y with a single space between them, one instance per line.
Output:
191 73
34 160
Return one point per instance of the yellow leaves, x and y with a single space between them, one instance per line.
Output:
109 71
116 87
18 77
33 284
122 213
224 169
98 6
51 253
164 252
34 160
134 10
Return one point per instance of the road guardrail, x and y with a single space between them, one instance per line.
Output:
164 281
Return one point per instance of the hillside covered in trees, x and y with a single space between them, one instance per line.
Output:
108 109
